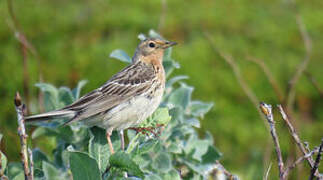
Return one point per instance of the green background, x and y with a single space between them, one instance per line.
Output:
74 40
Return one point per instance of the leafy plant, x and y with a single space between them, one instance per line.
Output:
177 152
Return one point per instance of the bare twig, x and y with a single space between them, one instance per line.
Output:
30 153
20 109
250 94
298 161
302 66
220 167
267 111
296 138
267 172
271 79
317 161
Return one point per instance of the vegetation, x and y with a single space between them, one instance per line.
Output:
73 41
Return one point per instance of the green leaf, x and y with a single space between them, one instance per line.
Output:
153 177
14 169
181 96
147 146
65 96
19 176
99 148
161 116
123 161
84 167
50 96
193 122
198 108
175 79
162 162
77 91
152 33
172 175
120 55
4 161
38 158
51 172
196 146
211 155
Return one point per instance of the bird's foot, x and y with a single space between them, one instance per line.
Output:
156 131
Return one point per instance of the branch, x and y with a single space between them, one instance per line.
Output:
271 79
267 111
20 109
317 161
296 138
247 90
314 83
302 66
298 161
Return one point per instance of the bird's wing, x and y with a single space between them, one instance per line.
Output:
133 80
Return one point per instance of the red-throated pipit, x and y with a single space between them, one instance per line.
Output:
125 100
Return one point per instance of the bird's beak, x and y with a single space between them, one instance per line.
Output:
169 44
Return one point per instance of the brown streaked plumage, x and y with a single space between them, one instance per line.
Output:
125 100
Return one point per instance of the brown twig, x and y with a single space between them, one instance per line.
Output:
296 138
317 162
298 161
267 111
279 93
220 167
20 109
228 58
303 65
30 153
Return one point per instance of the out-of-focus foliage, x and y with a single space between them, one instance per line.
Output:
83 153
74 40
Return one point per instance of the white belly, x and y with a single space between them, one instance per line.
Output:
131 113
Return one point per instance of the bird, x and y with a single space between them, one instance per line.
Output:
126 99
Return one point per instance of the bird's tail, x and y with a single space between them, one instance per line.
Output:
50 115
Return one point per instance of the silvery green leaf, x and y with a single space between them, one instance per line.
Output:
14 169
173 175
181 96
19 176
211 155
77 91
65 96
4 161
175 79
162 162
147 146
161 116
142 37
50 96
197 146
122 161
167 54
83 167
198 108
152 33
38 158
120 55
51 172
99 148
152 177
193 122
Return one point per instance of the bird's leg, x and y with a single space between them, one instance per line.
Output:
122 140
108 134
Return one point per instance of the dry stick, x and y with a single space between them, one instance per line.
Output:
226 172
250 94
271 79
267 111
20 108
267 172
317 162
298 161
302 66
296 138
25 45
30 153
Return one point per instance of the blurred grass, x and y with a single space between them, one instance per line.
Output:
74 39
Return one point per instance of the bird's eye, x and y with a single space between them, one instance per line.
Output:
151 45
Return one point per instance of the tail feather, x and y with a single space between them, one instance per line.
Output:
50 115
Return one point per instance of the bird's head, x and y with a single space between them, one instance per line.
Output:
151 49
